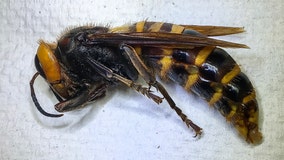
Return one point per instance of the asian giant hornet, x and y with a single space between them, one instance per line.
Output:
86 60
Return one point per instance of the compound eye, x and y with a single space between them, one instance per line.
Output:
47 63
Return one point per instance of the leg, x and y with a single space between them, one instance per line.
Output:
91 93
109 74
151 80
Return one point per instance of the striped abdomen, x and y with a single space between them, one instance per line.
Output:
209 72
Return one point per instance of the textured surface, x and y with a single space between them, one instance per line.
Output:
127 125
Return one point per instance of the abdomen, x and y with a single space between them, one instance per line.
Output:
209 72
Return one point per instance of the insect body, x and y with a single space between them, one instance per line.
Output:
87 60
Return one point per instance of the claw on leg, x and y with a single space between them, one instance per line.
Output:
196 128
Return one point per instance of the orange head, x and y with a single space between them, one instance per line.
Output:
49 68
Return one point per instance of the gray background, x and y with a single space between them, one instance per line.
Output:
126 125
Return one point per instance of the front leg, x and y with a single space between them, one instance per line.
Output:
91 93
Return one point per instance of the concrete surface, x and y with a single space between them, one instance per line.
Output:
127 125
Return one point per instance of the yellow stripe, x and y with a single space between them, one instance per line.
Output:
233 73
120 29
138 50
191 69
249 97
218 88
240 126
203 54
253 114
167 52
166 63
191 79
177 29
156 27
215 98
253 117
232 113
140 26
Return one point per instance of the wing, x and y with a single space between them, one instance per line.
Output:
214 30
159 39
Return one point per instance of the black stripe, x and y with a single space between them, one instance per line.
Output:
224 106
178 74
147 25
238 88
203 89
166 27
217 65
